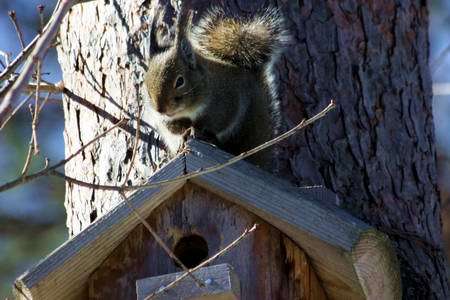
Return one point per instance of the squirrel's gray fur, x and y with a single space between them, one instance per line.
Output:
217 79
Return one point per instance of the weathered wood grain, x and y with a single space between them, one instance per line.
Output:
221 283
377 267
260 260
326 233
351 259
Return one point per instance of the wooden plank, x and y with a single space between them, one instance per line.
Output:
64 273
302 270
221 282
326 232
265 261
376 264
352 260
243 180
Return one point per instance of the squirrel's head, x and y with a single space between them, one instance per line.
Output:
174 79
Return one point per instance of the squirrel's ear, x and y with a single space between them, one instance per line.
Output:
187 54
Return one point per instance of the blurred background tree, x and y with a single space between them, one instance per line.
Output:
32 216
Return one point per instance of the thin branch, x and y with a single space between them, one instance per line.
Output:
13 17
196 173
53 171
44 102
42 45
206 262
27 163
5 56
136 144
45 87
11 67
159 240
33 145
40 10
48 170
36 109
17 109
439 61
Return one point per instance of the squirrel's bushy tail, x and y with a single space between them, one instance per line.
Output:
249 43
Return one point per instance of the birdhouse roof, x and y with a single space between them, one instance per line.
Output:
342 248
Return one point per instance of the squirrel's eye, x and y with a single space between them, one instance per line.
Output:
179 82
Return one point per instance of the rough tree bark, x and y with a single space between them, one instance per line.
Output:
376 151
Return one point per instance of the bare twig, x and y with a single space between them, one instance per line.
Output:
11 67
17 109
5 56
31 88
49 170
45 87
27 163
440 59
191 175
42 45
33 147
13 17
44 102
159 240
36 109
40 10
206 262
136 144
142 219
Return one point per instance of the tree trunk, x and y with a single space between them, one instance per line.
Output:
376 151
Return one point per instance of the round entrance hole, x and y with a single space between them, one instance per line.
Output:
191 250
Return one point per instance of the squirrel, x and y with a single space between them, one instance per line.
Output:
216 78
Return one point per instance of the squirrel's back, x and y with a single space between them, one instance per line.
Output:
250 43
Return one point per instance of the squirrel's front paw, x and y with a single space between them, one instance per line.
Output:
179 126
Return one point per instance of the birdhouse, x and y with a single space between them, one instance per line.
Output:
304 247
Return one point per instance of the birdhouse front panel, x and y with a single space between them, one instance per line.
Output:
196 223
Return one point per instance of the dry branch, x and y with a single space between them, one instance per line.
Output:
13 17
160 241
25 100
136 144
206 262
11 67
42 44
439 61
36 108
142 219
52 170
49 170
5 57
45 87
